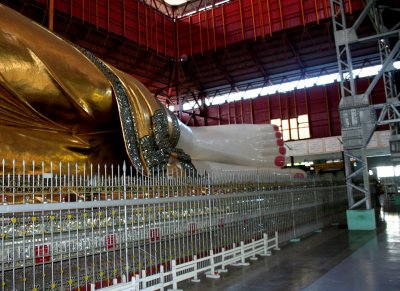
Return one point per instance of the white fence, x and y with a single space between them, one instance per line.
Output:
67 226
212 265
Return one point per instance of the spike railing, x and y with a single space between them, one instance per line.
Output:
69 226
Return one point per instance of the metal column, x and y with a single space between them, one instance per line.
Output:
357 115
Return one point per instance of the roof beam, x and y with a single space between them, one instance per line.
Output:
256 61
222 69
189 69
294 52
163 69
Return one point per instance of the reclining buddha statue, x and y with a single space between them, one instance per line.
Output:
59 102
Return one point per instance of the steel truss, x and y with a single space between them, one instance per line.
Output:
358 116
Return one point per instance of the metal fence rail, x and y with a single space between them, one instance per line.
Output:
64 227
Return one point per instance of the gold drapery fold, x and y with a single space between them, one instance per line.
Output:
59 102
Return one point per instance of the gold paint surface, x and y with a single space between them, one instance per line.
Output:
55 104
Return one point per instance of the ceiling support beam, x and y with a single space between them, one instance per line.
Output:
256 61
295 53
223 71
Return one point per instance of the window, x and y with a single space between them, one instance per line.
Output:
294 128
303 126
294 133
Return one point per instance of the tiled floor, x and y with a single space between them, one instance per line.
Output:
335 259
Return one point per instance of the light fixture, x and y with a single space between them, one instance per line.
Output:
175 2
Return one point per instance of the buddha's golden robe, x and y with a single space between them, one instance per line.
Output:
59 102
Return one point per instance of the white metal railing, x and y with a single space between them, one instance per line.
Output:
68 227
214 264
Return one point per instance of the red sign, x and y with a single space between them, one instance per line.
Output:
221 223
154 234
42 254
111 240
192 228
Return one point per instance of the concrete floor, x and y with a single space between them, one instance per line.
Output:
335 259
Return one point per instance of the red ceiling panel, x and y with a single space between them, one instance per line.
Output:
318 111
130 19
224 113
300 97
275 106
250 19
332 93
247 110
261 110
214 115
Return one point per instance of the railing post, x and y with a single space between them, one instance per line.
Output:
133 283
266 252
212 273
295 238
126 221
276 242
195 278
317 223
144 282
223 270
253 258
162 279
136 282
174 277
243 263
242 256
92 287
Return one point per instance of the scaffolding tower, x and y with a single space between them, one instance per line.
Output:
359 118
